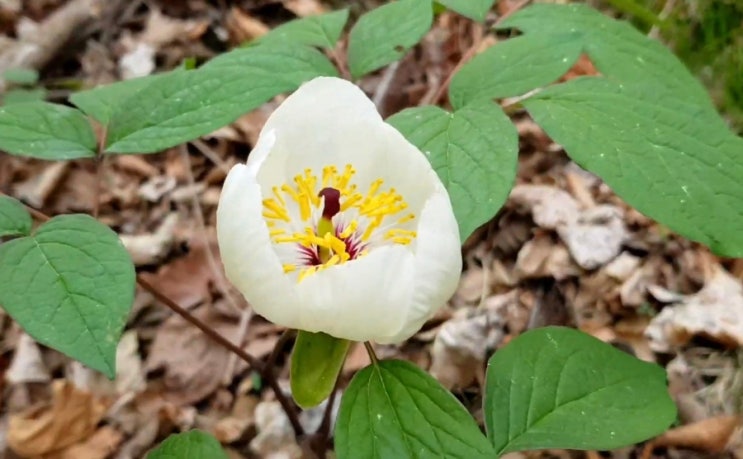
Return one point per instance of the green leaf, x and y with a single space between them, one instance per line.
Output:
14 218
473 9
317 360
19 96
386 33
21 76
667 157
46 131
515 67
474 152
102 102
322 30
189 445
395 409
557 387
188 104
70 286
617 49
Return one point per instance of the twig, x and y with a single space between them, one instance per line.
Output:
320 438
283 339
338 55
469 54
265 372
211 155
384 85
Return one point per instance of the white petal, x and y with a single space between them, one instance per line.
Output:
249 260
360 300
438 264
330 121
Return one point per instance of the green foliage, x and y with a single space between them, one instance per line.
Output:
189 445
14 218
385 34
394 409
668 157
21 76
616 48
474 151
21 95
102 102
473 9
46 131
317 359
514 67
559 388
70 285
322 30
188 104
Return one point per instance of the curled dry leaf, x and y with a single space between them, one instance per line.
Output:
461 346
99 446
27 365
550 207
148 249
715 312
542 257
595 237
709 435
194 364
275 439
71 417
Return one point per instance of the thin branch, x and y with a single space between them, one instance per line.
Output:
265 372
470 53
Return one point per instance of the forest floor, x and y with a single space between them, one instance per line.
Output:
608 270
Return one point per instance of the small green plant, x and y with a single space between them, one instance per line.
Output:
22 86
645 126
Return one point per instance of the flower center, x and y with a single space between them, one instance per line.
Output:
315 229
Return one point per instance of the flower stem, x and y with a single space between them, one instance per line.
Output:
372 354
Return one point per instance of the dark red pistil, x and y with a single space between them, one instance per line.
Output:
332 202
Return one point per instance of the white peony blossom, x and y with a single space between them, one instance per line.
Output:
337 223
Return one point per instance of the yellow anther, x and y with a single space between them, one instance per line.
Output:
288 267
350 229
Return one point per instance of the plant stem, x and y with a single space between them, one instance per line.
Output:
372 354
266 371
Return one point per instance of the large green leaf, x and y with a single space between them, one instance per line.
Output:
556 387
515 67
616 48
14 218
669 158
189 445
70 285
322 30
473 9
46 131
395 409
386 33
102 102
473 150
188 104
317 359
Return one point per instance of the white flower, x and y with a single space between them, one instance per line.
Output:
337 223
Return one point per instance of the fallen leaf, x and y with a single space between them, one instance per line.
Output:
715 312
595 237
550 207
194 364
151 248
69 418
275 438
27 365
100 445
709 435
